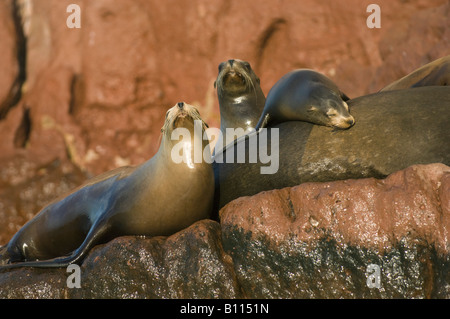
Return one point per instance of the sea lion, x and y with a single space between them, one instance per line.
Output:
436 73
158 197
306 95
241 99
394 130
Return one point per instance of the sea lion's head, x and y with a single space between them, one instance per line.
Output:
235 78
326 106
182 115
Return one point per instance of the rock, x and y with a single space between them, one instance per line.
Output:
11 64
188 264
315 240
26 284
401 54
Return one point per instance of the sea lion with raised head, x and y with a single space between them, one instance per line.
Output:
158 197
241 99
306 95
436 73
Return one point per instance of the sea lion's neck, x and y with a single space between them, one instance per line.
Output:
241 112
184 153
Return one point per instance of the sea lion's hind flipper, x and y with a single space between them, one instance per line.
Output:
93 237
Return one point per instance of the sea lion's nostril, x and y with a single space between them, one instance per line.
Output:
351 121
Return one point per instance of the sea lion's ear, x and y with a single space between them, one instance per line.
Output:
257 80
215 84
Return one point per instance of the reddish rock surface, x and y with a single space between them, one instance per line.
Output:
316 240
188 264
9 63
367 213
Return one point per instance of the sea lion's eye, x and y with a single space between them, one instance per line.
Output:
331 113
221 66
247 65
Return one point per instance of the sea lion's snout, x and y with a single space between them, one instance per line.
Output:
351 121
181 110
231 68
343 122
183 114
180 114
235 78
